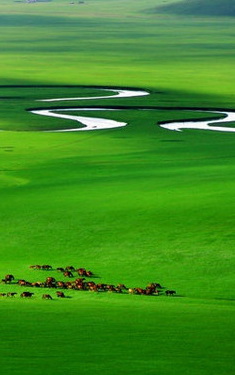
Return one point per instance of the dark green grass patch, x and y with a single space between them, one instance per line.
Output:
207 8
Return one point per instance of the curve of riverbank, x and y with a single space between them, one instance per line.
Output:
203 125
96 123
91 123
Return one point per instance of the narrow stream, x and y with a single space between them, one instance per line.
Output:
96 123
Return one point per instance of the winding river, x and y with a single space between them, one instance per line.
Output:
96 123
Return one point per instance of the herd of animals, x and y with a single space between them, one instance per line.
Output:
80 283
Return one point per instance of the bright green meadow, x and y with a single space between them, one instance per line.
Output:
135 205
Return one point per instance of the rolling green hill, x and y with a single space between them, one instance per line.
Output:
200 8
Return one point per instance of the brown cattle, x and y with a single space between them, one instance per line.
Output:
3 294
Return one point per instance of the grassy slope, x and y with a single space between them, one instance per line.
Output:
135 205
191 56
200 7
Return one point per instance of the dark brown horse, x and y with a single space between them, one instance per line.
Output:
61 284
68 274
11 294
50 280
122 286
26 295
46 267
170 292
60 294
89 274
24 283
70 268
81 271
9 278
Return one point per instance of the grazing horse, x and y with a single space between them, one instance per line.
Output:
26 295
122 286
46 267
46 296
80 280
170 292
69 285
11 294
70 268
154 285
111 288
90 283
60 294
50 280
151 291
88 274
68 274
9 278
61 284
82 286
37 284
24 283
101 287
118 289
81 271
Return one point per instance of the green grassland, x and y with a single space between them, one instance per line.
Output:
135 205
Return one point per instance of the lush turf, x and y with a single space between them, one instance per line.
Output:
135 205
